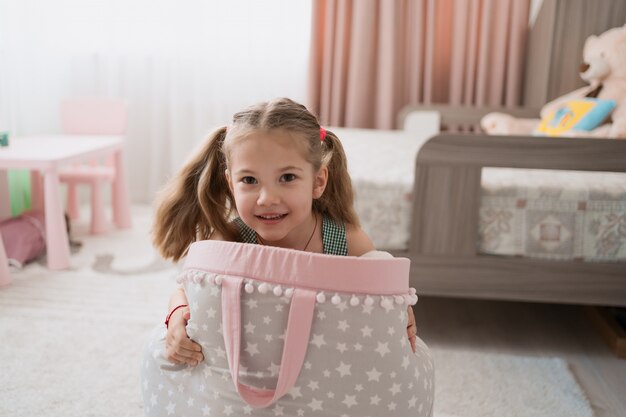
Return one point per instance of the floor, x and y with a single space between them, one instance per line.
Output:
532 329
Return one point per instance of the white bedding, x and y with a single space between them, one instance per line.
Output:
534 213
382 165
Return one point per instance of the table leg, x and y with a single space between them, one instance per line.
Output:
5 274
57 242
5 195
5 212
121 201
36 191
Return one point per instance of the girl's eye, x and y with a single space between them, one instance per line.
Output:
288 177
248 180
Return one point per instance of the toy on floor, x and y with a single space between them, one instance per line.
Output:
24 238
596 110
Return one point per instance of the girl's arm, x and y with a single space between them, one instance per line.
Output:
358 241
179 348
411 329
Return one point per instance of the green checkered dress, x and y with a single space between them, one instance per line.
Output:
333 236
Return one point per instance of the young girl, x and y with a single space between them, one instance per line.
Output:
273 177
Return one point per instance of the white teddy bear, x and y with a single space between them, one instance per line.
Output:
604 68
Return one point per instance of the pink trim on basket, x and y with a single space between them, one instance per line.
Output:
301 269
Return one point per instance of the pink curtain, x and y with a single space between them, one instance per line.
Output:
369 58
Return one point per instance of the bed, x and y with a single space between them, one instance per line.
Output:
442 200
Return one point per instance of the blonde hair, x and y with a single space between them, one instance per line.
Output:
197 202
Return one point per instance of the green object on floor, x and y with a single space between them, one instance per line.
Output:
19 188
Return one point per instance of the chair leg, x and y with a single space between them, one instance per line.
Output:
98 221
73 205
57 242
120 199
5 274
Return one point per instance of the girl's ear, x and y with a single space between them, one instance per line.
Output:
319 182
228 179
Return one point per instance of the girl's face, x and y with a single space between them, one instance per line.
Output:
274 187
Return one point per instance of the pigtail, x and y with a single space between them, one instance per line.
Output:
337 201
195 203
216 201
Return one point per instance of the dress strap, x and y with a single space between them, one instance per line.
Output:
334 237
246 234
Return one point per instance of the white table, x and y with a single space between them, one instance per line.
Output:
44 155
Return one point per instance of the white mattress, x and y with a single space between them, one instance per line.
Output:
382 165
534 213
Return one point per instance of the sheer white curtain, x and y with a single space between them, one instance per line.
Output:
185 67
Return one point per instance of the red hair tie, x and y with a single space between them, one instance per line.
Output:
322 134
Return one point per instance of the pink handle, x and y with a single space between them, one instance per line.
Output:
294 349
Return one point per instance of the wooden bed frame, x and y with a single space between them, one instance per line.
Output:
444 230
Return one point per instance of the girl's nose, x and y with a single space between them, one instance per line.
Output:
268 197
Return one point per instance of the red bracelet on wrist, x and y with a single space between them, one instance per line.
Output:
167 319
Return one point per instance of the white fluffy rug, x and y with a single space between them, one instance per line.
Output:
71 342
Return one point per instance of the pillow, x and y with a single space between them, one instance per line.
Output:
580 115
23 237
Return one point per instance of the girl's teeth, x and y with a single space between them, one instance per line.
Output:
272 217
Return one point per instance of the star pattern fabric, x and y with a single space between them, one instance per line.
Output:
358 361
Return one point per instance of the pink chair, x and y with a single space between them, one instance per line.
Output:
92 117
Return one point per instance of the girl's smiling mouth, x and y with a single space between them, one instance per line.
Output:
271 217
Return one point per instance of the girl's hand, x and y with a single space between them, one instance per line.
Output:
411 329
179 348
